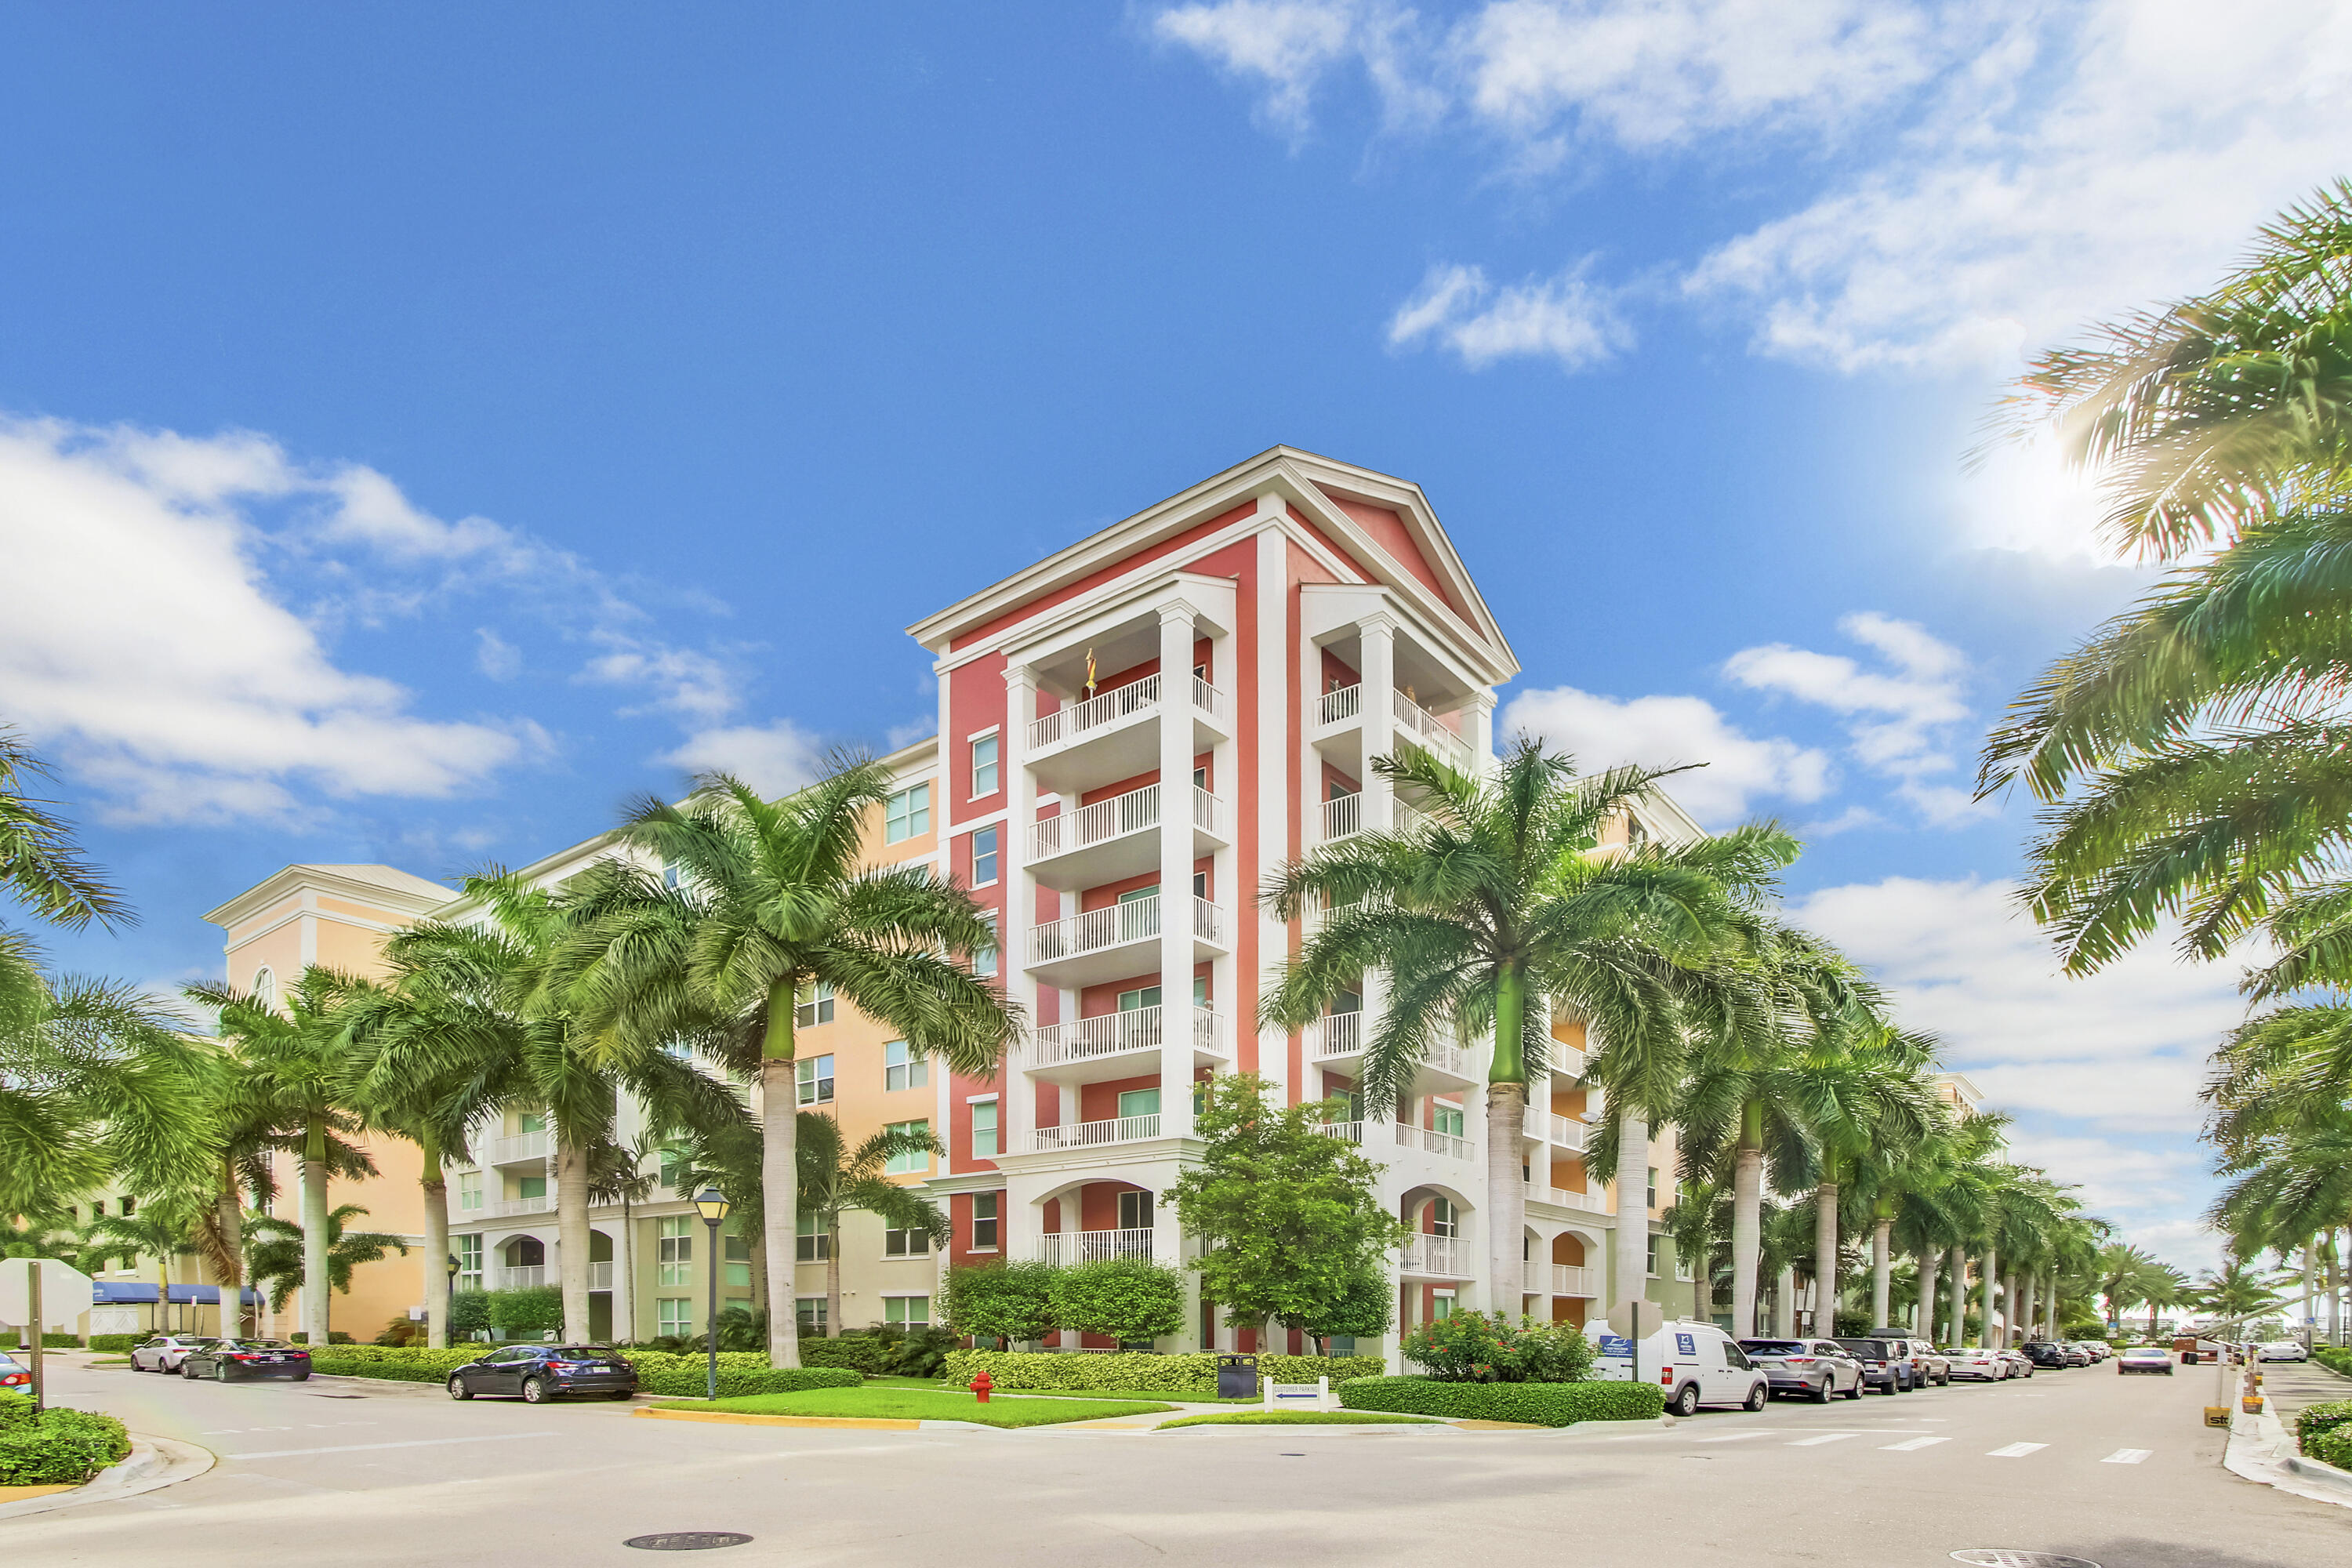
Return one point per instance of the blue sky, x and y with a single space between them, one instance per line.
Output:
427 427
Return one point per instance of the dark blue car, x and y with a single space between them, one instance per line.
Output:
537 1374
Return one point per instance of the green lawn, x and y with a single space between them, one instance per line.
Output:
1302 1418
1148 1394
918 1404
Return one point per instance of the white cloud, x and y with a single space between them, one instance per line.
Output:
774 759
681 680
495 656
1846 821
1562 318
1658 732
1284 45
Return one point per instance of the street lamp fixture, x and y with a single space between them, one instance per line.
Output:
712 1206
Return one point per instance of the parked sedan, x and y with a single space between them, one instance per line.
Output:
1977 1363
2047 1354
2144 1358
541 1372
2020 1363
1886 1363
2076 1353
164 1353
2283 1350
13 1373
236 1361
1814 1368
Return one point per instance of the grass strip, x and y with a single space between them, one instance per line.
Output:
916 1404
1301 1418
1148 1395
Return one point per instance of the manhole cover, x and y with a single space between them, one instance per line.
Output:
686 1540
2004 1557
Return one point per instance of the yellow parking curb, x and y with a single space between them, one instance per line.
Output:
867 1423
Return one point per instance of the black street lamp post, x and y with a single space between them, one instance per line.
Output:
712 1206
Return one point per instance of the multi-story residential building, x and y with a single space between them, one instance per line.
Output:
1133 734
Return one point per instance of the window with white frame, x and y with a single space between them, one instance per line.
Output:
811 1310
814 1075
1446 1119
1138 1102
903 1067
265 986
673 1169
469 1261
674 1249
1651 1267
814 1006
986 1208
1653 1187
470 1192
810 1242
1441 1306
735 1248
675 1315
908 1311
906 814
983 958
984 857
1442 1218
984 766
910 1161
913 1242
1135 1211
983 1129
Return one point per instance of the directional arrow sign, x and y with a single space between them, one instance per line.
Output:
65 1292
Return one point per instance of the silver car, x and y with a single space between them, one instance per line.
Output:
164 1353
1814 1368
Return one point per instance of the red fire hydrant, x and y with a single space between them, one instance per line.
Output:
981 1385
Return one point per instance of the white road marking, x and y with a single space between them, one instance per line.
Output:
1734 1436
1914 1443
2126 1455
2015 1450
1825 1437
417 1443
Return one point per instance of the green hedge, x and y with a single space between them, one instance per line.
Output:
73 1341
2335 1358
56 1447
859 1352
658 1372
2332 1446
1141 1369
114 1341
1538 1403
2312 1421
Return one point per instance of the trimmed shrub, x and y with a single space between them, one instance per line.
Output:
859 1352
1123 1297
1139 1370
1538 1404
469 1312
1474 1347
677 1375
56 1447
2315 1420
1008 1302
114 1341
528 1313
2334 1358
2333 1447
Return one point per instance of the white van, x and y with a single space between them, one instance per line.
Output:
1696 1364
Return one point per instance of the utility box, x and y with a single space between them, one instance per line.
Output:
1237 1377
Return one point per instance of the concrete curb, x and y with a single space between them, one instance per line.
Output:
154 1463
2262 1451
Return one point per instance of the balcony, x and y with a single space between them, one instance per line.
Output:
600 1274
1093 1246
1546 1127
1334 1036
524 1148
1093 1134
1119 1044
1103 944
529 1277
1567 1199
1430 1140
1113 839
1344 819
1436 1256
1561 1280
1112 736
1420 727
507 1207
1346 1132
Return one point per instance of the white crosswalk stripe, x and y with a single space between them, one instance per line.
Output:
1825 1437
2016 1450
2126 1455
1732 1438
1914 1443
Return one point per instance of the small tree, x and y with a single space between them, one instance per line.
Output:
1290 1217
1364 1310
1009 1301
1124 1297
535 1309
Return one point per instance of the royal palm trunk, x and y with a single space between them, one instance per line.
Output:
833 1279
315 1283
571 1233
779 1174
1881 1273
1825 1257
1929 1274
437 1247
228 1209
1989 1335
1631 1239
1507 1115
1959 1328
1746 1221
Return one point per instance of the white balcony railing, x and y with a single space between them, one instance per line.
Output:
1212 702
1422 726
1135 812
505 1206
1208 921
1567 1199
529 1277
1342 818
1139 1029
1082 719
1093 1246
1137 919
1542 1124
600 1274
1339 707
509 1151
1568 1059
1430 1140
1093 1134
1444 1255
1449 1059
1209 813
1574 1280
1347 1132
1335 1035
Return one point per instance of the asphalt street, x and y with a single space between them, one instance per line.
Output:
2117 1470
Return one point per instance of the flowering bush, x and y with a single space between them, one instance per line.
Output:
1480 1347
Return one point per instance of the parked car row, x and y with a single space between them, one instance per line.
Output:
532 1372
222 1360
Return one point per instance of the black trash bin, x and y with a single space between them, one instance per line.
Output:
1237 1377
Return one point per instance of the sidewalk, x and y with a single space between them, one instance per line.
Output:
2263 1448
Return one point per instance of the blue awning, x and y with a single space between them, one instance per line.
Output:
124 1293
194 1295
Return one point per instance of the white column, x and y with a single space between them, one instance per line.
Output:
1269 796
1017 1099
1481 730
1176 868
1378 675
1784 1304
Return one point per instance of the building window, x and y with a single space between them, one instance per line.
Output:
469 1261
1654 1186
1443 1219
675 1315
985 1208
1138 1102
906 1242
736 1259
983 1130
908 1311
811 1310
1200 885
1199 778
906 814
673 1169
129 1204
673 874
674 1249
265 986
984 766
902 1069
1651 1267
1135 1211
814 1006
912 1162
983 958
470 1192
815 1077
530 1186
1446 1119
810 1242
984 858
530 1121
1136 1001
1441 1307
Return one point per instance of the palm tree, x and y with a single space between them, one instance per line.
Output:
291 1074
1695 1224
2235 1293
282 1252
835 1179
162 1228
1863 1100
617 1174
2119 1274
771 897
1495 911
41 866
